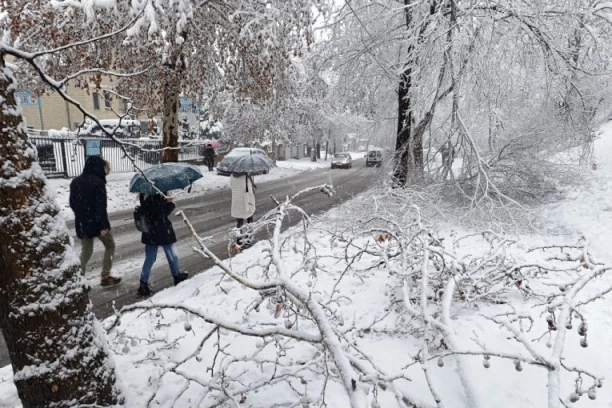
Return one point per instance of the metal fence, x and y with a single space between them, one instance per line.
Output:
65 157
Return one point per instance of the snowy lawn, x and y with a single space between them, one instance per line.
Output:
119 198
170 351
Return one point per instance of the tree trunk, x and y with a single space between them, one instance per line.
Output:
56 346
404 127
326 149
274 149
313 154
409 160
171 120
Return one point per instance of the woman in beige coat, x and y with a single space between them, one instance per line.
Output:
243 198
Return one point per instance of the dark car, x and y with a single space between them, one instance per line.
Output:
342 160
222 167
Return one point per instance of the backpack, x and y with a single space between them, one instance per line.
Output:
141 220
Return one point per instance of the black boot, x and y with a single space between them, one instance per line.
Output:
144 290
180 277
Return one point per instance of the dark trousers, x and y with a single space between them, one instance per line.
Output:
241 221
211 163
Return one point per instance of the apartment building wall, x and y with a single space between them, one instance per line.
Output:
50 111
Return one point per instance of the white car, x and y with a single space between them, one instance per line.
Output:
374 158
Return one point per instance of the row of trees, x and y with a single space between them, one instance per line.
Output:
498 84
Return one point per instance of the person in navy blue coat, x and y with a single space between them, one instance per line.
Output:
159 232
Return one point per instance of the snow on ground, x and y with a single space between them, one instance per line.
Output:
305 163
119 197
8 392
148 345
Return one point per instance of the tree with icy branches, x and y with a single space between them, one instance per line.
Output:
508 85
189 48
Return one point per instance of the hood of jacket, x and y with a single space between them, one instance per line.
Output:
94 165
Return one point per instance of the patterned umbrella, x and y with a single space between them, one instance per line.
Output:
165 177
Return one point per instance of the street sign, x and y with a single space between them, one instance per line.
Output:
93 148
186 105
25 98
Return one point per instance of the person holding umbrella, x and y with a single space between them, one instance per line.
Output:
156 209
243 187
243 198
152 216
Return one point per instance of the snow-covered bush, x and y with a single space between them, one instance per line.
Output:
437 284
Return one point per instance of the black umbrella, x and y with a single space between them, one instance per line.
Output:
165 177
251 164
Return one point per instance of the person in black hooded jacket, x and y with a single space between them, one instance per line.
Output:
160 232
209 156
88 202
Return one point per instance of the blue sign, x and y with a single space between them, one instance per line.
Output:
186 106
25 98
93 148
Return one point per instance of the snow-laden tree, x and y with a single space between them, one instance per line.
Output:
298 111
185 47
57 348
500 85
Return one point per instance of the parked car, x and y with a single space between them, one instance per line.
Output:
342 160
374 158
222 167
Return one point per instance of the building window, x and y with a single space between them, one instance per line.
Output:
108 101
96 101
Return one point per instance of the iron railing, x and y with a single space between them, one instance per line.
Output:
65 156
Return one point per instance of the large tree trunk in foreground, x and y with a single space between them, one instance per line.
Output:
171 120
57 348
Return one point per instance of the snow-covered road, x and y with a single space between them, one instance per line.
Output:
120 199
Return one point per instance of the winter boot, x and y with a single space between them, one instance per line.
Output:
144 290
109 280
180 277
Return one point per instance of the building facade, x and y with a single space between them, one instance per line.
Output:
51 111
